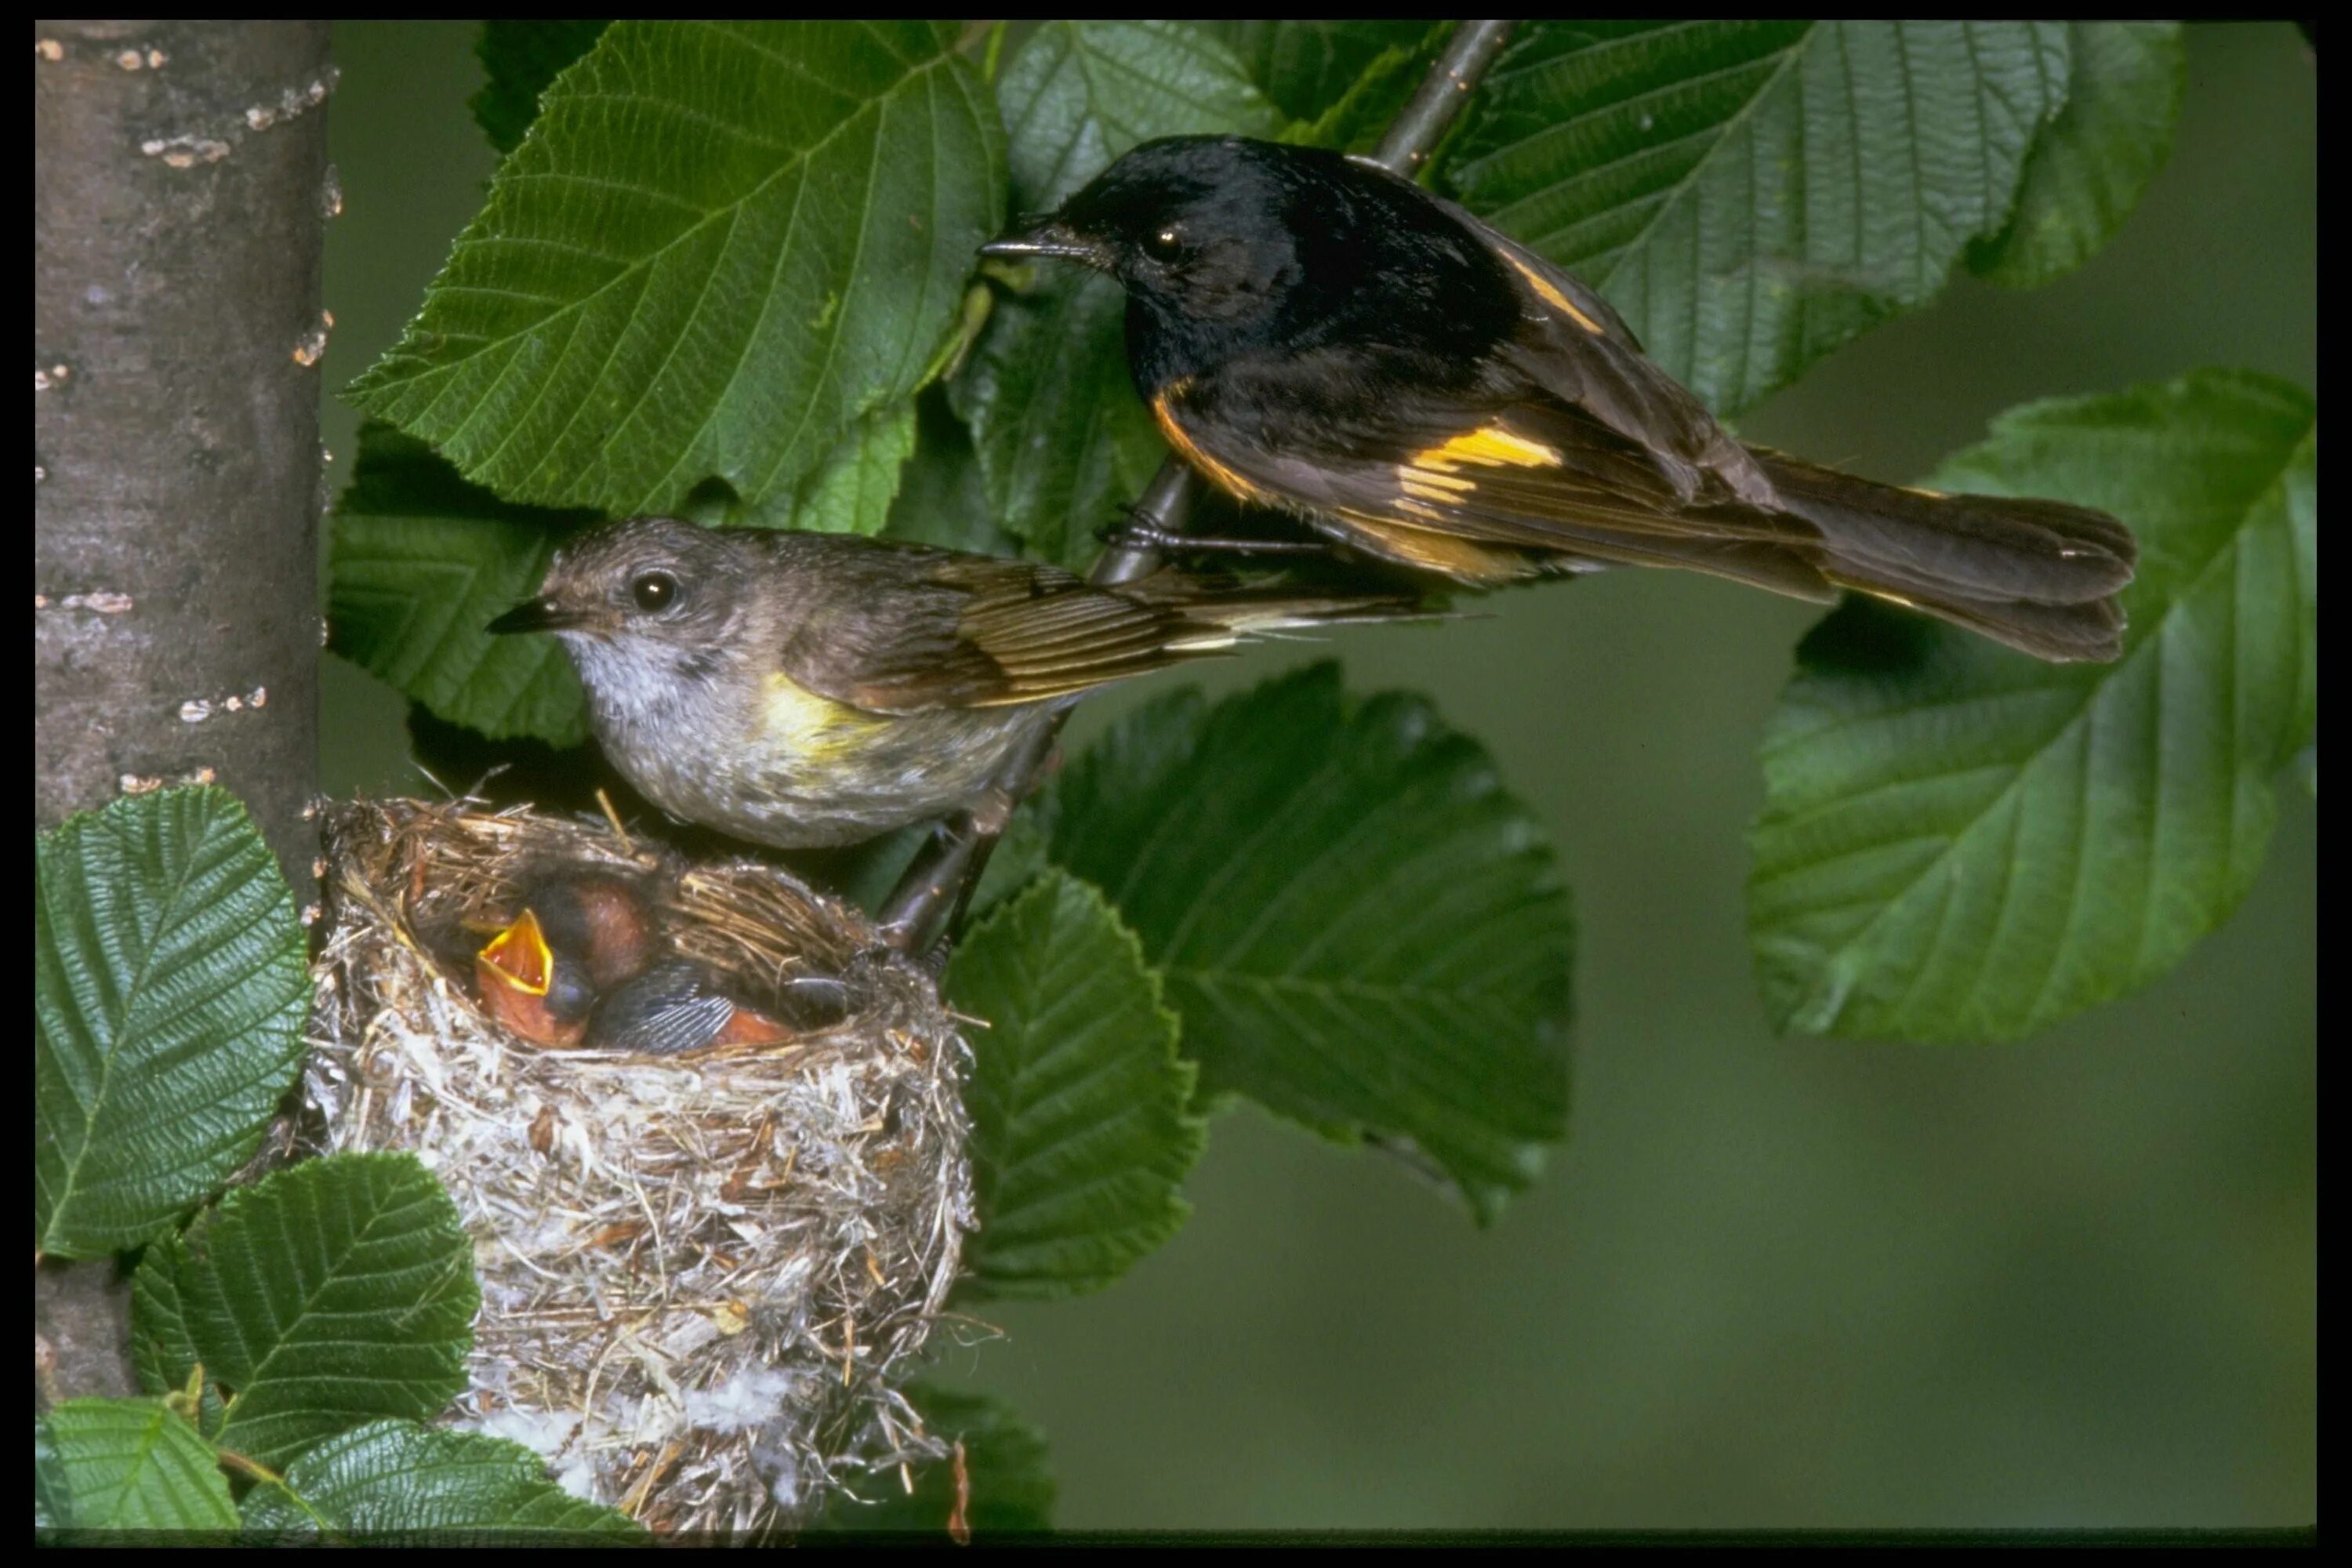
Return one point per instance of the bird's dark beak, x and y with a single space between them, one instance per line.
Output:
1049 235
533 616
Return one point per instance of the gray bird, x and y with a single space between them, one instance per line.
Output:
799 689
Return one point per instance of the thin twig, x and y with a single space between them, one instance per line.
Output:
931 896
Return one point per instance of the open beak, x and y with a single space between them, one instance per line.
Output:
533 616
1049 237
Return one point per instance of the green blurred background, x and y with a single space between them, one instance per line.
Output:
1766 1282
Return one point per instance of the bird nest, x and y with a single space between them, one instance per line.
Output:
703 1274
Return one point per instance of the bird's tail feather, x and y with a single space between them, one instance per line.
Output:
2039 575
1227 613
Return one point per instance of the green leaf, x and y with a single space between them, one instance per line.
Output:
1081 93
52 1495
1306 68
1079 1132
852 490
168 992
130 1463
1060 432
1021 856
720 246
331 1293
521 58
1361 930
941 498
2090 164
1011 1485
390 1477
420 562
1356 121
1751 195
1961 843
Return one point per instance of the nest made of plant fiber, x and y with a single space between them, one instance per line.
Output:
703 1274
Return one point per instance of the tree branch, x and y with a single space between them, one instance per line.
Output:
930 898
181 192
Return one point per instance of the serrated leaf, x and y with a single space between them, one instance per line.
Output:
1081 93
1306 68
521 58
52 1497
1060 432
1751 195
130 1463
851 490
1959 842
419 563
1359 117
1362 930
1006 1470
2090 164
330 1294
1079 1133
721 245
169 991
388 1478
941 498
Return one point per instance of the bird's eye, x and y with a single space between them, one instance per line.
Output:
1167 244
654 590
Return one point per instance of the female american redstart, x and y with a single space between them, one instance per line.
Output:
813 689
1315 334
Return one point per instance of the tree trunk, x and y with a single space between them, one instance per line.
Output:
181 189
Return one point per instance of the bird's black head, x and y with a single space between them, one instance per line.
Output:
1224 243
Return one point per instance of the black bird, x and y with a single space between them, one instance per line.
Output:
1315 334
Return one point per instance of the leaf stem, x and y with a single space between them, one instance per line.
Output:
931 896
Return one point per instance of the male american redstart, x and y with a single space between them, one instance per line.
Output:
1315 334
813 689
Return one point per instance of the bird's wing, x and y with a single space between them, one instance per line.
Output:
973 632
1484 494
1573 346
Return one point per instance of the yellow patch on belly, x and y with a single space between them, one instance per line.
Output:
793 718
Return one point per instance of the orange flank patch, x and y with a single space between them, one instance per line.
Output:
1551 295
1186 449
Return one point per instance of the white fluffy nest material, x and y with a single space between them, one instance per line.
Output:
701 1275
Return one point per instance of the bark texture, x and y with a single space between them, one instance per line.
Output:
180 189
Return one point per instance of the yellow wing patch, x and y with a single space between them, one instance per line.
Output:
1433 476
795 719
1491 445
1551 296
